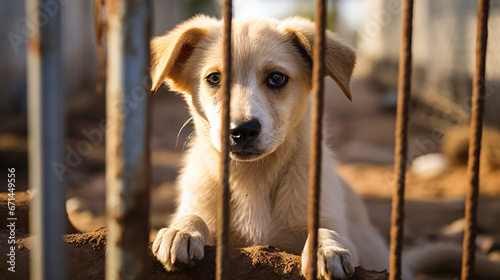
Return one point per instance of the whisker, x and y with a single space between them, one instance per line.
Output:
193 133
180 130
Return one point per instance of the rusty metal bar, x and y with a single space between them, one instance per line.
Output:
223 196
99 30
46 140
316 137
400 157
476 126
127 139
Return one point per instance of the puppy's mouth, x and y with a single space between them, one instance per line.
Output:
244 153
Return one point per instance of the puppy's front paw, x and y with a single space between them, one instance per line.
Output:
177 249
333 262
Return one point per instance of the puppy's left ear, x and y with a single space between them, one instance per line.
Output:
339 57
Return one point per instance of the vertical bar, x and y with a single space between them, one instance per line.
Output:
127 139
404 90
316 136
46 139
223 197
476 124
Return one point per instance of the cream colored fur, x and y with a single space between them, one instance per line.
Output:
268 192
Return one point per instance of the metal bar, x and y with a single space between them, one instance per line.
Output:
46 139
316 136
127 139
223 197
99 37
476 126
400 158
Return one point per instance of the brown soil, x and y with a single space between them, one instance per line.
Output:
376 181
21 201
86 258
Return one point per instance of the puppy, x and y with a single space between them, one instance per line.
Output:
269 146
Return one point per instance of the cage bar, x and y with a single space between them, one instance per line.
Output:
127 139
46 141
316 138
476 126
223 198
401 135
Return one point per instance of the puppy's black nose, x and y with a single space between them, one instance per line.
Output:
242 132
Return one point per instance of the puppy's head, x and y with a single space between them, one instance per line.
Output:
271 77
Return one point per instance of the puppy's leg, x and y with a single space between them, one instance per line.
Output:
182 244
334 260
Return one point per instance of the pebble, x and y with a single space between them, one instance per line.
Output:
429 165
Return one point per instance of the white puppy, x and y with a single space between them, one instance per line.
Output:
269 146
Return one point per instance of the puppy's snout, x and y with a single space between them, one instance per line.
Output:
244 132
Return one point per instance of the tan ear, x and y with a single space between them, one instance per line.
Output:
170 52
339 57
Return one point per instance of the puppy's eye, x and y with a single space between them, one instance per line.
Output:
213 79
276 80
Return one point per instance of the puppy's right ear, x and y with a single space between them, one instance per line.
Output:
170 52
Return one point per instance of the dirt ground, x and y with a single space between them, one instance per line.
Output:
86 260
361 133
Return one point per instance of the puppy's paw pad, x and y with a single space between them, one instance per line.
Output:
177 249
337 263
333 263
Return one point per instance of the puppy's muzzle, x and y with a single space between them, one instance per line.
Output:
243 137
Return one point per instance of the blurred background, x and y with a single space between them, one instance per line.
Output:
361 133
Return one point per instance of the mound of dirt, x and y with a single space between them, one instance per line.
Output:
86 257
21 201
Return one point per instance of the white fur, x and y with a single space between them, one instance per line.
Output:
269 192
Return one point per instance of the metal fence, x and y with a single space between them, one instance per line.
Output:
127 141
